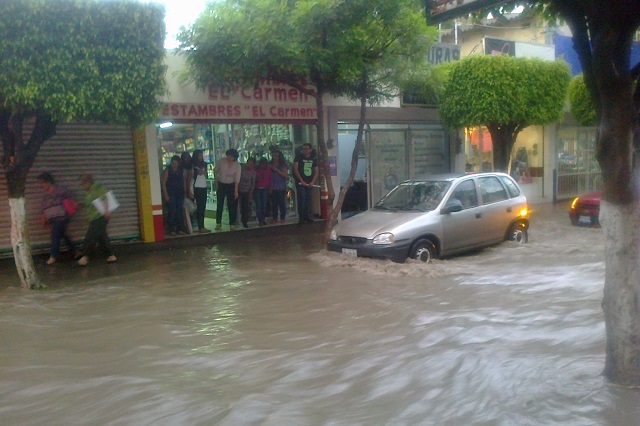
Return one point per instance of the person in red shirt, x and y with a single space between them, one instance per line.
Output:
264 182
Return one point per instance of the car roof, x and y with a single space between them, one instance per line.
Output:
437 177
451 176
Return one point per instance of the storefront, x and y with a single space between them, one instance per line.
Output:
527 161
255 121
399 143
251 140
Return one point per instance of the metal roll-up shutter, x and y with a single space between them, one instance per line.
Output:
105 151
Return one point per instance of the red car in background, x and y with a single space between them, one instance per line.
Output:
585 209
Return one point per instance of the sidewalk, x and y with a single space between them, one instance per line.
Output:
67 272
222 236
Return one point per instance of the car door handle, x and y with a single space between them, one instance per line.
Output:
509 209
478 215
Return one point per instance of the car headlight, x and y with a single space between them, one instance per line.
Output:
385 238
333 235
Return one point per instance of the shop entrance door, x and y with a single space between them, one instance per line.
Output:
391 154
577 168
387 161
356 199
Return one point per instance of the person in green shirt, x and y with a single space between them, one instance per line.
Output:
97 230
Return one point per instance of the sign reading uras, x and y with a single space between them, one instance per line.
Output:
444 52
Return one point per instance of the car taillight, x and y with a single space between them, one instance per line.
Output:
574 202
524 212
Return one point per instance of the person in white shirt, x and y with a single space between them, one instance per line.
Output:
227 179
200 187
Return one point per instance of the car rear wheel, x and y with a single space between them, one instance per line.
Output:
423 250
519 233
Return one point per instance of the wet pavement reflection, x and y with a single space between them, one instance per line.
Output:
276 331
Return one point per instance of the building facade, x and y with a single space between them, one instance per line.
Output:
400 142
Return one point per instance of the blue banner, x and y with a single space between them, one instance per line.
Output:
564 49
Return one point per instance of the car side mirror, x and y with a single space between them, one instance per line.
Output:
452 206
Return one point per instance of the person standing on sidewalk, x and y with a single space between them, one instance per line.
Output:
305 170
227 178
173 193
280 172
55 215
97 230
186 163
200 187
245 188
264 178
188 204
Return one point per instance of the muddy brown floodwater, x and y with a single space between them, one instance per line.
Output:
278 332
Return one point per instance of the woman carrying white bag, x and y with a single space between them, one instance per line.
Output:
98 205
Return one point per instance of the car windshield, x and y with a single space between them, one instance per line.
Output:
418 196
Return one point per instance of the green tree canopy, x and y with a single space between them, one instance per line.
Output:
82 59
505 94
325 43
581 102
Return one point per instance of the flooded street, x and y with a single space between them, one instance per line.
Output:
280 332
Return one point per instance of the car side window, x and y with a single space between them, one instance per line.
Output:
513 189
466 193
491 189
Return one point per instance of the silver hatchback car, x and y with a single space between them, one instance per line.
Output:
437 216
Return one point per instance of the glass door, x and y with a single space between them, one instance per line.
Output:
387 161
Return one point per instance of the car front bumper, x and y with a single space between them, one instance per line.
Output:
397 251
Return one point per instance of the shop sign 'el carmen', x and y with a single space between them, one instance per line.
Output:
267 101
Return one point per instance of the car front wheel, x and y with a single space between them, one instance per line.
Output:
423 251
519 233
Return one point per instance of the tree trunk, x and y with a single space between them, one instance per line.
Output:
17 159
621 303
325 169
333 218
620 224
21 244
611 45
503 138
